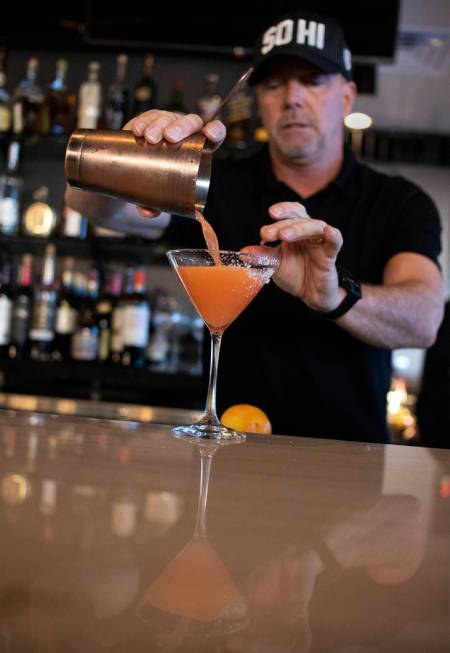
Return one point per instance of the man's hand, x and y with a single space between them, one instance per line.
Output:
156 125
307 253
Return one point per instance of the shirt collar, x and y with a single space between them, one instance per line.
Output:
344 181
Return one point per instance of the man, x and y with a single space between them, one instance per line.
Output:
358 273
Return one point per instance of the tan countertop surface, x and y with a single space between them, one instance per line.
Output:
298 544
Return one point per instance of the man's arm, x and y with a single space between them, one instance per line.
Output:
405 311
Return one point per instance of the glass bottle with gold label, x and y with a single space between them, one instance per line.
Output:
239 120
29 103
145 91
40 218
5 100
42 328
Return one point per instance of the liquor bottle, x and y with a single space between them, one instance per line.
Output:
66 314
73 224
117 319
5 309
29 103
5 100
176 102
159 343
105 309
21 308
39 219
42 329
11 184
60 102
136 322
239 120
117 97
192 348
84 346
90 99
210 99
145 93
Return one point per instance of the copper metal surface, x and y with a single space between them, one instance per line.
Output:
169 177
298 544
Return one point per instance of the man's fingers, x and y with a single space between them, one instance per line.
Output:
293 229
140 123
215 131
183 127
284 210
146 212
333 240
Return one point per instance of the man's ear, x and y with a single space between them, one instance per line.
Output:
348 96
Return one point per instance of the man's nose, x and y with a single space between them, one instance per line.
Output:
295 93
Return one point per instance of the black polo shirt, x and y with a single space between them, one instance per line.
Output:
310 376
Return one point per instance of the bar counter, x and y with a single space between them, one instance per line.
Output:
116 536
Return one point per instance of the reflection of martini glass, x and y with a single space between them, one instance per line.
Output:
219 293
195 587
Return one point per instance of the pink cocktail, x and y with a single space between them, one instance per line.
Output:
220 285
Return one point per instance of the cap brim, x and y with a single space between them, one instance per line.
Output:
323 63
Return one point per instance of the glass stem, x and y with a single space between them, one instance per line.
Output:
210 411
205 474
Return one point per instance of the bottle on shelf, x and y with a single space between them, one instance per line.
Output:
145 92
210 99
21 308
5 99
159 344
176 101
11 185
5 308
42 329
66 313
239 120
117 97
90 99
191 355
116 347
60 102
73 224
136 322
84 346
105 309
39 219
29 112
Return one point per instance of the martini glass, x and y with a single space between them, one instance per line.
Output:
220 284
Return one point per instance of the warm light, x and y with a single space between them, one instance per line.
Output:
14 489
357 121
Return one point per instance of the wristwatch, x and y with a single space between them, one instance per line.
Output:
354 293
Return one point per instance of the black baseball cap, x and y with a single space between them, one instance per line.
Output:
315 38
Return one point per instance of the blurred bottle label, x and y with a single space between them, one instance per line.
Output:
136 321
5 319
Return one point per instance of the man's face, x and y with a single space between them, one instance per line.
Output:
303 108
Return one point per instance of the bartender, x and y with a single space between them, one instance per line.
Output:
358 275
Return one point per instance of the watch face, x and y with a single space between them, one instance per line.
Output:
347 282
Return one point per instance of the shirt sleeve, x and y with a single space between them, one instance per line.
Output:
415 227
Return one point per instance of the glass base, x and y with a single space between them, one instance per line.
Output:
208 431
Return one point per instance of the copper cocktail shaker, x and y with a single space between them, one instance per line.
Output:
169 177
